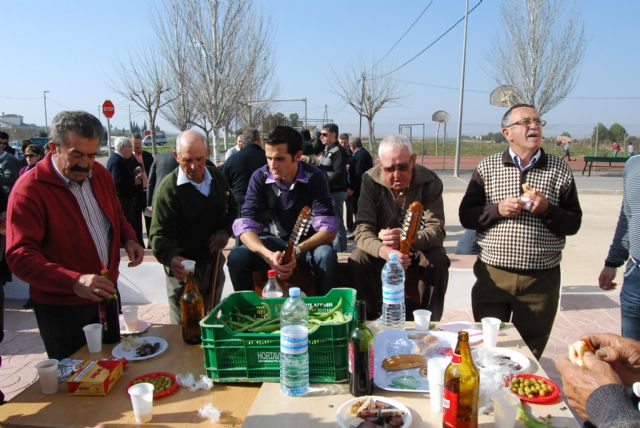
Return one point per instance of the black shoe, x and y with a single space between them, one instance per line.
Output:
28 304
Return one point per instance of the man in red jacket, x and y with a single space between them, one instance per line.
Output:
66 225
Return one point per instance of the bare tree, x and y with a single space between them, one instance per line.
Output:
540 51
367 92
143 82
176 51
228 56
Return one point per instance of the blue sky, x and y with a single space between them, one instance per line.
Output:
72 48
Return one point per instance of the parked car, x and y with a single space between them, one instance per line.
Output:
161 140
17 146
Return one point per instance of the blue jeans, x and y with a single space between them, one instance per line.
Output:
322 261
630 301
340 243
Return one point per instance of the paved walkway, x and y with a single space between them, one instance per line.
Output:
584 307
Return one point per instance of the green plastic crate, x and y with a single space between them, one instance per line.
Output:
231 356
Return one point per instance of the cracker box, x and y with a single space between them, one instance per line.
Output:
95 377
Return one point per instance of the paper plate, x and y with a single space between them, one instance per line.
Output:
120 352
343 417
142 327
483 356
475 333
149 377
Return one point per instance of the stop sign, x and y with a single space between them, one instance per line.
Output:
108 109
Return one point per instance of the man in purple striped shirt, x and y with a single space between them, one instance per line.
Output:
276 194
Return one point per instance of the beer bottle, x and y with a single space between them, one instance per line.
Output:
191 306
109 314
361 355
461 387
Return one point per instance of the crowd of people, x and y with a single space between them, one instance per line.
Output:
68 217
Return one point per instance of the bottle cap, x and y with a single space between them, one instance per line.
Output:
189 265
393 257
294 292
271 273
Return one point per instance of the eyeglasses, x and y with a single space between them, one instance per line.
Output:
30 155
528 122
323 134
397 167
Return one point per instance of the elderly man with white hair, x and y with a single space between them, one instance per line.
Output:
125 176
386 192
193 210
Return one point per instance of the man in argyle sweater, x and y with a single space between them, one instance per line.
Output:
521 239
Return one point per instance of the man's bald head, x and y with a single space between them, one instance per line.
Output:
188 138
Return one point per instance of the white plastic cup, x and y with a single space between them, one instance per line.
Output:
93 334
130 318
48 374
435 376
505 407
142 401
490 330
189 265
422 318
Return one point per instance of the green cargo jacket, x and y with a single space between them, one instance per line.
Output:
377 209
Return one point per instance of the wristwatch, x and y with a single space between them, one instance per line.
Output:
297 251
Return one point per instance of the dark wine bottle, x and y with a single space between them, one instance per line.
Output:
109 313
361 355
191 307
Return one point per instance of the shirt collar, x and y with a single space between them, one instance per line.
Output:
517 160
63 177
301 176
183 179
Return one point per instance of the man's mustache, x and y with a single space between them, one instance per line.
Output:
78 168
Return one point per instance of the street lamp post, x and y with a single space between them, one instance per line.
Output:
46 122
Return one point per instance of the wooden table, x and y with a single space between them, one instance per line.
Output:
32 408
318 407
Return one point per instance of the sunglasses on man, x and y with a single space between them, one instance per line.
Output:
396 167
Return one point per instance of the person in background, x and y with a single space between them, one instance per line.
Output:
521 242
4 142
343 139
387 191
566 148
9 171
235 149
276 194
615 148
193 210
361 162
142 160
307 147
66 227
162 165
238 169
626 248
32 155
25 143
630 150
599 391
126 177
333 161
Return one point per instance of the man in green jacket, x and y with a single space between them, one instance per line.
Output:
387 190
193 210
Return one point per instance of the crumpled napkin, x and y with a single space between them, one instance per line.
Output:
209 411
188 381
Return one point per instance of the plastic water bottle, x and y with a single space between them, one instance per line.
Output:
393 310
272 288
294 345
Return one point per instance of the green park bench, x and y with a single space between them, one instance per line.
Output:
590 160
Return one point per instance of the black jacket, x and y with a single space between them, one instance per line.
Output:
237 170
121 170
361 162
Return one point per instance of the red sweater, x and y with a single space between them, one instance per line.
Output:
48 242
